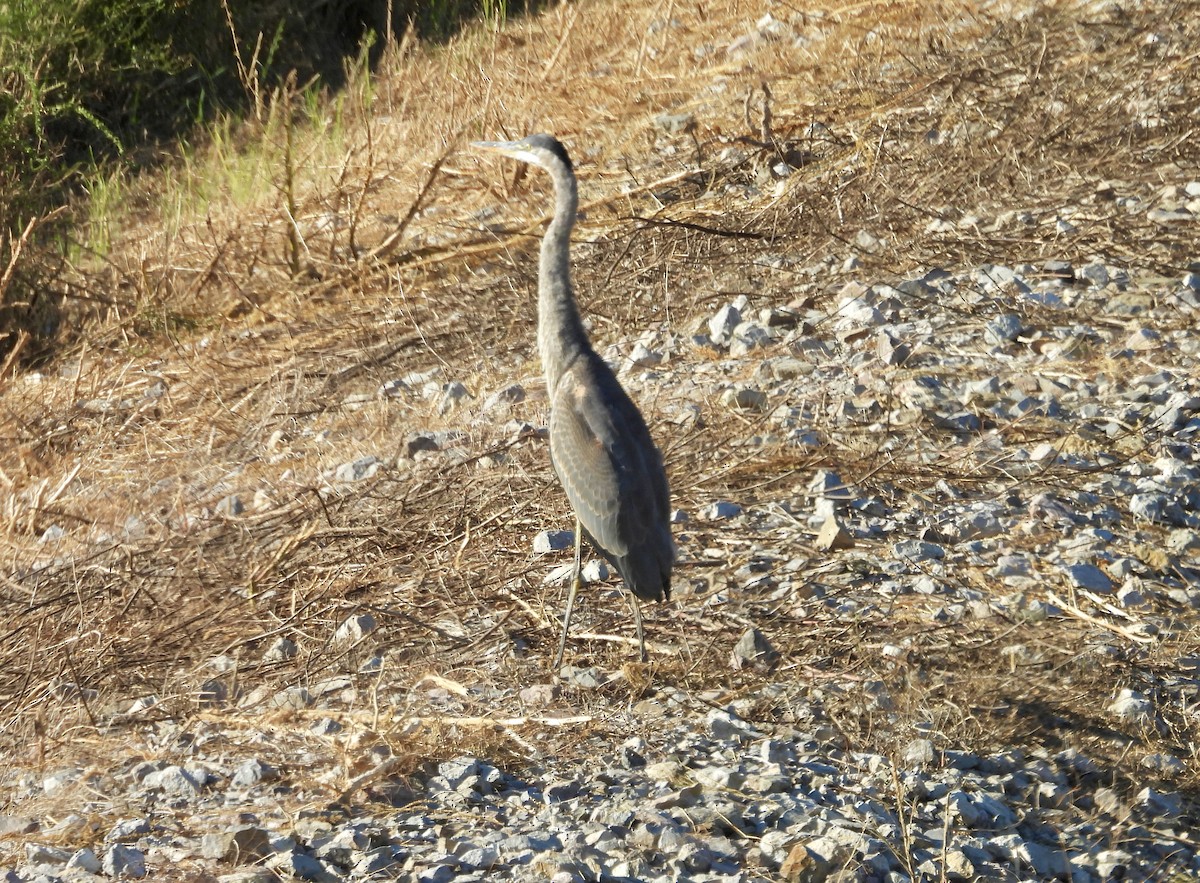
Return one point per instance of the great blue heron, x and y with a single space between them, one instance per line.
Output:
599 444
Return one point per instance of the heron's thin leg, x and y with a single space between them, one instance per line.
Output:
575 579
637 621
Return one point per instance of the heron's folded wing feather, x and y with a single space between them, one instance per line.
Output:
603 457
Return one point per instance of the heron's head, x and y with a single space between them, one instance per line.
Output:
540 150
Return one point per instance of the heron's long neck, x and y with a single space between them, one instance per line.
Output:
560 331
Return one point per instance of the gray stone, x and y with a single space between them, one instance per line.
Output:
175 781
84 860
722 510
1089 577
891 351
1132 706
958 865
747 337
512 394
1159 805
719 777
443 873
1003 329
353 629
460 770
245 845
1050 863
744 398
300 866
281 650
17 825
483 857
917 550
231 506
453 394
358 470
124 861
253 772
44 854
753 650
721 326
919 753
548 541
127 829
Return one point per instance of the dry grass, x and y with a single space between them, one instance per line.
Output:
211 369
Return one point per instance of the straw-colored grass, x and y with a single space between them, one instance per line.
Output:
212 369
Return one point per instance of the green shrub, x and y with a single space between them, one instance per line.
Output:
84 83
79 80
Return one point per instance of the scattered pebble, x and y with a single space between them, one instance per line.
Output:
353 629
721 326
1132 706
753 650
124 861
744 398
359 470
452 396
547 541
1003 329
833 536
512 394
721 510
1090 577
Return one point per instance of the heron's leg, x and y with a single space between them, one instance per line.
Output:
575 580
637 621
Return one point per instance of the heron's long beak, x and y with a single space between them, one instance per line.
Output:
508 148
517 150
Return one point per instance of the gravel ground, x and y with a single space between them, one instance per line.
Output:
681 785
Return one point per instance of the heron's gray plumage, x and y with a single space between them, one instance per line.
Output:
613 475
599 443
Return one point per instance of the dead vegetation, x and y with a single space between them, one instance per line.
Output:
211 367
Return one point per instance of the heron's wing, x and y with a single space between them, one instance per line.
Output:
605 459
